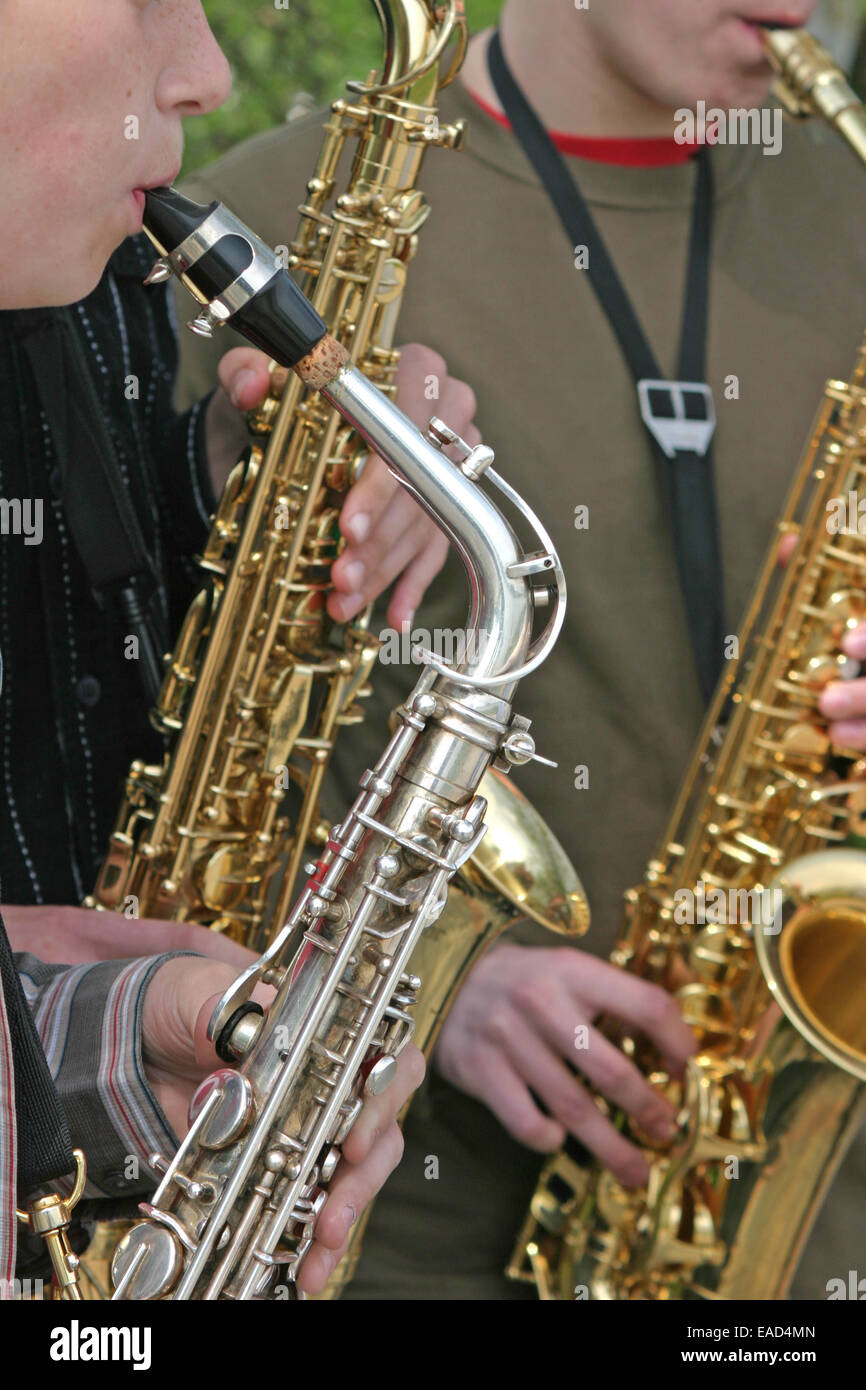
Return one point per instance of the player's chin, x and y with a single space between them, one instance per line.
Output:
63 284
82 273
739 86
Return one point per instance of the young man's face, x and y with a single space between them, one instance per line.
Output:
91 100
678 52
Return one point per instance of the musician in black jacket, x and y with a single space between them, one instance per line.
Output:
92 102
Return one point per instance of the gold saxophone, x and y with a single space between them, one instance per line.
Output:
259 683
753 913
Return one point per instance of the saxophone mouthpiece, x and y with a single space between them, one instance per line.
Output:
169 217
809 82
236 277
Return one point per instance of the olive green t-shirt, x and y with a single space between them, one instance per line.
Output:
497 289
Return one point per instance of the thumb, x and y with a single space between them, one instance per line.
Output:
244 375
206 1056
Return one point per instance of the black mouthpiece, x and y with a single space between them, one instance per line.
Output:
169 217
225 258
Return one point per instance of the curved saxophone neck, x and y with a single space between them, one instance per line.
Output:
416 35
238 278
500 574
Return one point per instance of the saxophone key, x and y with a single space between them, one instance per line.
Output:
230 1114
378 1073
328 1163
685 1236
146 1263
720 958
349 1113
618 1206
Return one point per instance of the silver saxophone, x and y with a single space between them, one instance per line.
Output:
236 1208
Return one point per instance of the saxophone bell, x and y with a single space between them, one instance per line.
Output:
813 957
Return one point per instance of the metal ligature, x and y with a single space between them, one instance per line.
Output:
236 1208
752 913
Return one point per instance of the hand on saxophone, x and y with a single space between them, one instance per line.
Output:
78 935
389 537
180 999
512 1035
244 379
842 702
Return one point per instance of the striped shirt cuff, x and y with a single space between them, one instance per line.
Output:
89 1020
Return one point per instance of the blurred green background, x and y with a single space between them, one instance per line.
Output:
290 59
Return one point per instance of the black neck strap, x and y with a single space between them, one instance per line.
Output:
44 1145
679 416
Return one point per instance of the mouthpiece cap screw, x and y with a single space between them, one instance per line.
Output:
158 273
204 325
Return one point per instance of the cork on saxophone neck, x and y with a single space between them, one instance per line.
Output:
325 362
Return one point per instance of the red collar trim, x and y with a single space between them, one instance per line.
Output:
639 152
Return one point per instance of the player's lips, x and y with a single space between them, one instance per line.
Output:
785 17
165 181
754 25
138 194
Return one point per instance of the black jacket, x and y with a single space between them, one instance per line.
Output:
73 713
